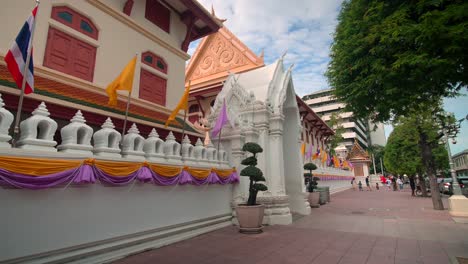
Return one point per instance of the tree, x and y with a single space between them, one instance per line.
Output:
390 58
337 138
403 151
378 151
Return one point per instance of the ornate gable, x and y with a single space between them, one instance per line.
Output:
357 152
216 55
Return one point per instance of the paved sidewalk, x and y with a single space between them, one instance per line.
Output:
356 227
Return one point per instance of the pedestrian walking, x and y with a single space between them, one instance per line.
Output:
389 182
360 186
412 185
394 183
377 186
353 183
400 183
368 184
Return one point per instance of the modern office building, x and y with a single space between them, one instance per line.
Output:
325 105
460 161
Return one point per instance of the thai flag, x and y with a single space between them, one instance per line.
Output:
16 56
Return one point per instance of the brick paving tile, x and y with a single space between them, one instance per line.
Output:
356 227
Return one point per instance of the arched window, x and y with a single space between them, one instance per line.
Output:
73 19
154 61
194 108
67 53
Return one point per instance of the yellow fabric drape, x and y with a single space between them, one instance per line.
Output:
223 173
166 171
123 82
336 162
37 167
115 168
182 105
200 174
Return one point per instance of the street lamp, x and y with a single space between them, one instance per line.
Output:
455 186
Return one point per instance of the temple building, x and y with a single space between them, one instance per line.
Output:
81 46
217 57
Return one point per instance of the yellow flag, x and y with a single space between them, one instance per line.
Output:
182 105
324 157
123 82
303 147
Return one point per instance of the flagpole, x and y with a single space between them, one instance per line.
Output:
23 84
183 127
219 138
126 114
185 119
126 109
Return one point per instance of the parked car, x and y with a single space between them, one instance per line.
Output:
445 186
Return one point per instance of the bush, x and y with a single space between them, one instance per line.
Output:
255 174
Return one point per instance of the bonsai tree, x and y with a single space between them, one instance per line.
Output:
255 174
312 185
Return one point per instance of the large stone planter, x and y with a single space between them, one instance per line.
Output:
250 218
313 199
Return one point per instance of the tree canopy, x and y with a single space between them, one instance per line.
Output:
403 153
391 56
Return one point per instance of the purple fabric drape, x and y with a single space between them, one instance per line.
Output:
87 174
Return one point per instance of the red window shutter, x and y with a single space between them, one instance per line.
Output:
158 14
152 87
69 55
84 59
58 51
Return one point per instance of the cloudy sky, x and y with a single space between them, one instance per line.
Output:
304 28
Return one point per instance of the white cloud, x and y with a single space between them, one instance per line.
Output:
303 27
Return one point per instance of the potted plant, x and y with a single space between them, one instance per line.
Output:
312 185
250 215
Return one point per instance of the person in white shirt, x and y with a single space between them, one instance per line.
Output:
400 183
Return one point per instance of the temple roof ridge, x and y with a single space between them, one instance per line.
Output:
216 55
357 152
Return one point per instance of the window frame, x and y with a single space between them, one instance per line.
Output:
77 20
154 63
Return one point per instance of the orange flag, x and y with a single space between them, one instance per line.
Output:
182 105
123 82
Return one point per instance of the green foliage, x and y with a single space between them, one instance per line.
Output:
252 161
310 167
335 124
307 175
260 187
313 184
403 152
252 147
391 56
255 174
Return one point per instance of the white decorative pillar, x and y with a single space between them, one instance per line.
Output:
172 150
188 152
154 147
106 141
76 136
132 144
6 118
37 132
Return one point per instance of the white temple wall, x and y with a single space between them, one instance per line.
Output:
292 164
39 221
